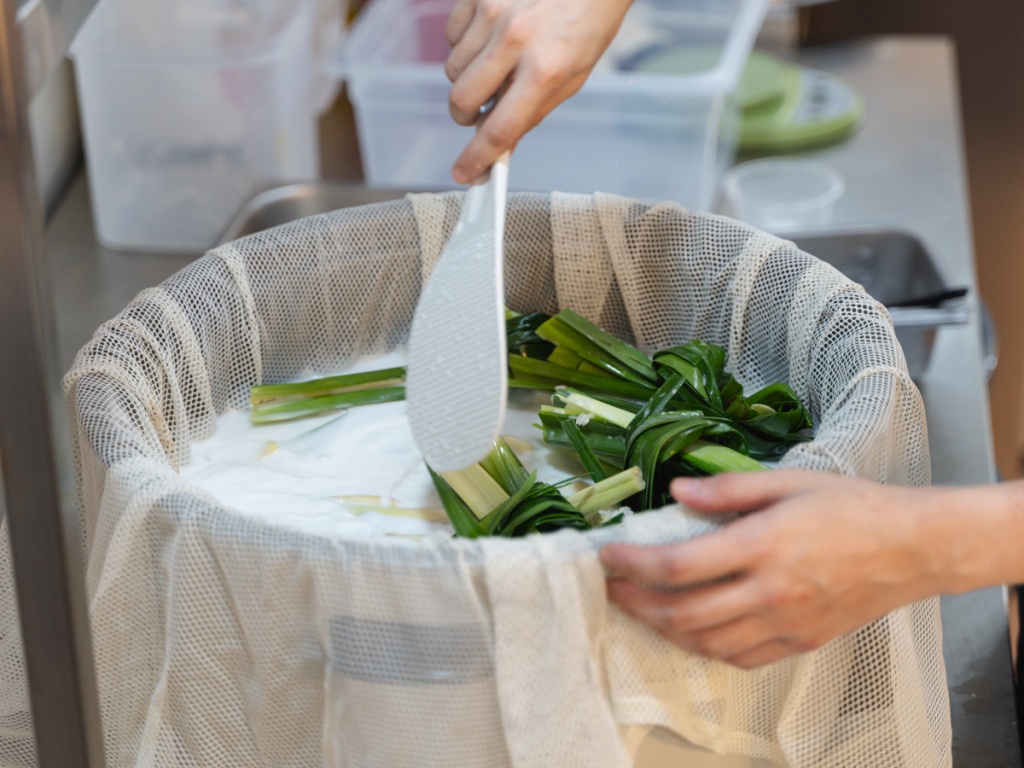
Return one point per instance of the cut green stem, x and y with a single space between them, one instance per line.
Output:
330 385
576 403
270 411
476 488
713 458
609 493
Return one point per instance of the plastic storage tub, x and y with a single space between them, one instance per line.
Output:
188 109
628 131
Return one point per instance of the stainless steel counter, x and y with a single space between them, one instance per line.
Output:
903 169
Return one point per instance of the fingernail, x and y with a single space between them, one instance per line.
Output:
460 175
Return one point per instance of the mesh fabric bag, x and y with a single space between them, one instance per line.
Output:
224 640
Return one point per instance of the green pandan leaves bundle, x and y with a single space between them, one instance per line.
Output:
499 497
771 419
633 420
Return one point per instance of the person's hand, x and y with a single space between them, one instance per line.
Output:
542 49
820 556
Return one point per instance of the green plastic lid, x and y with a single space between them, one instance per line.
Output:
816 108
763 80
784 107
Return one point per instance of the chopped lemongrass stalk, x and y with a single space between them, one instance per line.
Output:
608 493
715 458
476 488
576 404
762 408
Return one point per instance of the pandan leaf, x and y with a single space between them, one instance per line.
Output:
521 335
701 364
535 504
598 347
505 467
583 451
655 442
461 516
617 348
560 376
659 400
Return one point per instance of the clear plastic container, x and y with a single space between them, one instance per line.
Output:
785 194
188 109
628 131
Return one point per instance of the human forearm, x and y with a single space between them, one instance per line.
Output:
978 536
820 555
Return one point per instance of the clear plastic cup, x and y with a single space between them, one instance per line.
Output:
785 194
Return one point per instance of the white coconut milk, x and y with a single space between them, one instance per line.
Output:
331 475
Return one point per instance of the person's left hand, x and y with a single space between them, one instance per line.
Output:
819 556
542 50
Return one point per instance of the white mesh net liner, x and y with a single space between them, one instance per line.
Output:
224 640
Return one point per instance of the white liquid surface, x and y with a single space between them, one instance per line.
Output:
313 474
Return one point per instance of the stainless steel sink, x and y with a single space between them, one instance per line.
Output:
895 268
891 265
295 201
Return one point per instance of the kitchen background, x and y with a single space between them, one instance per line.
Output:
989 40
989 57
990 46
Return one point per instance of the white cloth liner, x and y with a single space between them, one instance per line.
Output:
222 640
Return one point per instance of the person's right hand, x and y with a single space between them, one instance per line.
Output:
543 50
818 555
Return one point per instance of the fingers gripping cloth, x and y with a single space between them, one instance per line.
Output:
221 639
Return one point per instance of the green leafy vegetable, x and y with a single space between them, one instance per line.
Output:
530 506
280 402
633 420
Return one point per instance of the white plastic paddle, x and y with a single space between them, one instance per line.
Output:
458 368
